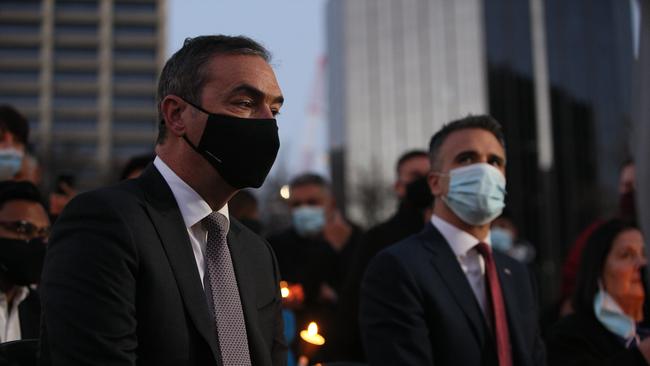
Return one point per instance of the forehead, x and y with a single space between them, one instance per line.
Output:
23 210
307 190
470 139
627 238
226 72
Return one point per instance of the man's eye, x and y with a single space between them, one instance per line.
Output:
244 103
275 112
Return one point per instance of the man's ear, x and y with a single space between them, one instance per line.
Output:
172 108
437 183
399 188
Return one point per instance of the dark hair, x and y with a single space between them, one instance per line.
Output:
592 263
19 190
15 123
483 122
408 156
138 162
184 74
309 179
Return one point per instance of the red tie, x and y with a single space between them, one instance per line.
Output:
498 308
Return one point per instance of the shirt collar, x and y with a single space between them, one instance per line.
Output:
21 294
460 241
192 206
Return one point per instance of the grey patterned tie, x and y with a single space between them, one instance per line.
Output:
226 304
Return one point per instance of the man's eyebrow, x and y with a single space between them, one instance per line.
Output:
253 91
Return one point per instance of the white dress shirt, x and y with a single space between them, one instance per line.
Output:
9 317
193 209
471 262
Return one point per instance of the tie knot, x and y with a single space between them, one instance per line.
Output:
215 221
484 249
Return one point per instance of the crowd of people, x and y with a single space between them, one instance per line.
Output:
168 267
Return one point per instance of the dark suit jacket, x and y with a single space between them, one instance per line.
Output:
580 340
417 308
29 313
120 284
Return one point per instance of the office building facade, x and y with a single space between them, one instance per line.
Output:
84 72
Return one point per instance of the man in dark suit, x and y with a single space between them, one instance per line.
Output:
152 271
24 227
442 297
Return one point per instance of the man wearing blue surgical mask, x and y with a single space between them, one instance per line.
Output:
314 253
444 294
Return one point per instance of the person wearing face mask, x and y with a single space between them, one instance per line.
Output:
315 252
505 238
610 324
443 296
414 197
154 270
626 211
14 134
24 228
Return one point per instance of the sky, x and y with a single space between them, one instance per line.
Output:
294 32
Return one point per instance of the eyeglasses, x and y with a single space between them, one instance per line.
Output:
26 229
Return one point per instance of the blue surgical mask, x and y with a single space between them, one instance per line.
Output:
501 239
476 193
612 317
10 162
308 220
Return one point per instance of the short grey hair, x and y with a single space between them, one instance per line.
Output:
185 72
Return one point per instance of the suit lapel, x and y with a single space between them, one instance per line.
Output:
453 276
246 284
166 217
509 292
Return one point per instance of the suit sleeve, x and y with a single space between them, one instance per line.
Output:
279 347
393 327
88 287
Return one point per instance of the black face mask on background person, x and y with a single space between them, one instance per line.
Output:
21 262
242 150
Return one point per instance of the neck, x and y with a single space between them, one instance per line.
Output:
208 184
441 210
9 289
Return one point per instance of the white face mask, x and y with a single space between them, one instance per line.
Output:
612 317
476 193
10 161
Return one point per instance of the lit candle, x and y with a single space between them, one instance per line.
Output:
311 335
284 289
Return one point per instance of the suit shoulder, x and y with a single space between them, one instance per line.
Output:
407 251
119 197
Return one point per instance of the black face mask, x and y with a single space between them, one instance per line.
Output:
21 262
242 150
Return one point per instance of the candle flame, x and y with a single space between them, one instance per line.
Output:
285 292
312 329
311 335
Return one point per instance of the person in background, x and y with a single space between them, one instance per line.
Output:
505 238
314 253
24 229
244 207
30 170
626 210
609 324
14 134
136 165
415 198
443 296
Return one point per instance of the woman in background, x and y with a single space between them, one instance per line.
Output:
611 318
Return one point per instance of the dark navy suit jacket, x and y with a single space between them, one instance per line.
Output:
417 308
